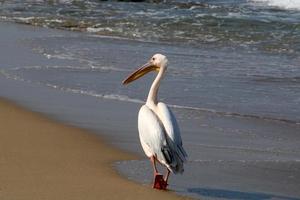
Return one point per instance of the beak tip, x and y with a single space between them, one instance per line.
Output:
124 82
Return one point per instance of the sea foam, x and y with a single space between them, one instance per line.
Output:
285 4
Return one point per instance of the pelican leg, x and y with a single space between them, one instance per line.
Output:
159 182
167 176
153 161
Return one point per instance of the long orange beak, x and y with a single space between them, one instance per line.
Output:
148 67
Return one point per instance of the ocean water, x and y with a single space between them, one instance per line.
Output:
268 25
254 73
233 81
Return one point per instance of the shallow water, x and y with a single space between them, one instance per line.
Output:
231 83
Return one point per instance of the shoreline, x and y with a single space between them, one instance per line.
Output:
44 159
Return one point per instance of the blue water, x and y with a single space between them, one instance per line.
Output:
254 72
250 24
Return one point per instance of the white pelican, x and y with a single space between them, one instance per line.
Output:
158 129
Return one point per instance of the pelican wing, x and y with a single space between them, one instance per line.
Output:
172 130
152 136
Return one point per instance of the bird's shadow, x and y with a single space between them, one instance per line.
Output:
237 195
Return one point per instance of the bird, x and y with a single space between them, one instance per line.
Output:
159 131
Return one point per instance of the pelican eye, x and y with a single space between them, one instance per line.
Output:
153 59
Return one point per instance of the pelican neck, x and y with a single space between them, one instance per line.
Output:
152 96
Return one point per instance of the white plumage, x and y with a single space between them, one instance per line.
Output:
160 136
158 128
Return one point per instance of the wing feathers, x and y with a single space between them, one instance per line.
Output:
160 136
172 129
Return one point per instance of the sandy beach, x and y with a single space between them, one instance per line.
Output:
42 159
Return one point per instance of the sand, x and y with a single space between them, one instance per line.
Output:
43 159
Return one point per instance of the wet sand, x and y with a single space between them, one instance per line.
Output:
42 159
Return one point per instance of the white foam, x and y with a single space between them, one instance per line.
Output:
285 4
54 20
117 97
95 30
24 19
122 98
103 96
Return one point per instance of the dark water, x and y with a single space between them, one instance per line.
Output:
246 23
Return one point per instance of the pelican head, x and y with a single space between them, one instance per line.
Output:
157 63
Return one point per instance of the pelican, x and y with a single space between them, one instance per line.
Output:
158 128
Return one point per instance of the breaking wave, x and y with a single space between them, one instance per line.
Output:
284 4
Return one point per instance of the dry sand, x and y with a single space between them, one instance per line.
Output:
41 159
